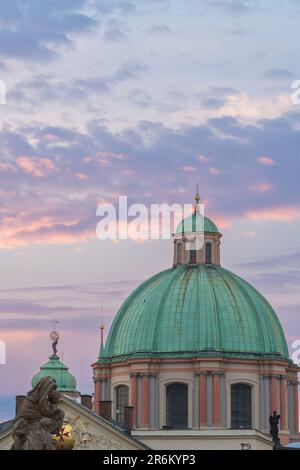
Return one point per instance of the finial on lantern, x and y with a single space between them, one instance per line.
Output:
197 200
197 197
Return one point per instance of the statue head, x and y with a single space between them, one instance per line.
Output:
54 396
39 412
44 387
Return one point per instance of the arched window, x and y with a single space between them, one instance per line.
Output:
193 256
121 402
177 406
179 253
241 407
208 253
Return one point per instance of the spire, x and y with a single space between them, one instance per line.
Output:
102 342
197 197
102 333
197 200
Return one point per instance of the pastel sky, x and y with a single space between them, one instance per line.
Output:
141 98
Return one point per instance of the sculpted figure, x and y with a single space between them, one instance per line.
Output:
30 429
40 439
274 429
20 432
54 336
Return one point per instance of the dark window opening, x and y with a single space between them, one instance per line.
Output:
241 408
179 253
193 256
177 406
121 402
208 253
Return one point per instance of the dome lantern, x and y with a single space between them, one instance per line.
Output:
197 239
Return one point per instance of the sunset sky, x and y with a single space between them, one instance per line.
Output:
142 98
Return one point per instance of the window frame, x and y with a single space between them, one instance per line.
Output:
193 257
120 417
210 253
180 405
179 253
241 401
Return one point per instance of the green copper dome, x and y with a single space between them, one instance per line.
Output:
195 311
66 382
194 222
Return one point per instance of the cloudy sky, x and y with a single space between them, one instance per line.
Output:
141 98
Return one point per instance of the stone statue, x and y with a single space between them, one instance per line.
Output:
42 438
54 336
38 418
274 429
54 346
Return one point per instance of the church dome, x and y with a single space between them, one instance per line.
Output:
195 310
66 382
194 222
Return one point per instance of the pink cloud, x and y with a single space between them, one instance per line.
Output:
59 237
203 158
33 227
81 176
214 171
36 166
78 250
104 158
251 233
261 187
221 220
128 172
281 214
17 337
110 155
7 167
188 168
52 137
266 161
